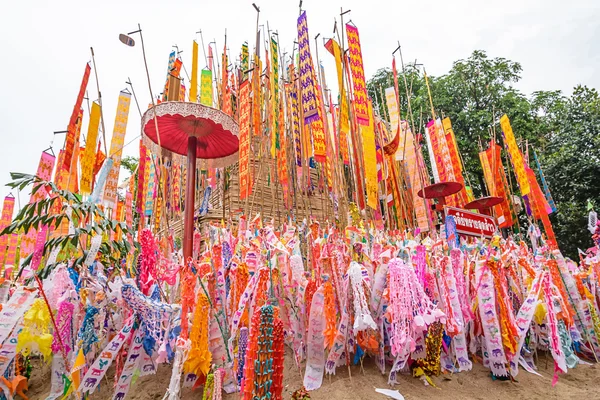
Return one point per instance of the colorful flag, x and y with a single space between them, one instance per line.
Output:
455 159
295 115
149 181
44 172
256 97
89 155
275 97
142 168
7 213
71 138
194 79
493 172
516 157
370 160
547 193
334 48
358 76
170 67
308 93
206 93
116 148
318 133
245 60
244 124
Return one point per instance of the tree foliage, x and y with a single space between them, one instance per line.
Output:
86 217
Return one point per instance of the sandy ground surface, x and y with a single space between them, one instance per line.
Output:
579 383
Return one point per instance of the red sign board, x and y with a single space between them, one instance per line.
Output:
472 224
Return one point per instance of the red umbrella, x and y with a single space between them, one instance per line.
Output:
484 203
439 191
197 131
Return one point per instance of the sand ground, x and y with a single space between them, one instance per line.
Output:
580 383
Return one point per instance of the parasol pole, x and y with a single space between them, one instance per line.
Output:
190 194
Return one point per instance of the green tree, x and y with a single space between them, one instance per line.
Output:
571 159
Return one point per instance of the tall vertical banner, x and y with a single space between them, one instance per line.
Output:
149 183
44 172
116 149
361 106
308 93
407 154
225 97
73 179
244 123
370 161
394 113
142 167
457 167
334 49
245 61
275 145
194 79
7 212
11 252
89 155
170 67
441 152
256 96
516 157
493 172
547 193
293 93
318 133
72 127
206 93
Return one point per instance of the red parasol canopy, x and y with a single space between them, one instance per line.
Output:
215 131
440 190
483 203
195 131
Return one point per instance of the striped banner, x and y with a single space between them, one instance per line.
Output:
116 149
358 77
516 157
244 123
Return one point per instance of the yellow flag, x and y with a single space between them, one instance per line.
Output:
516 157
370 160
89 155
194 80
77 367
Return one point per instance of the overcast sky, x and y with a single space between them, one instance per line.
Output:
45 46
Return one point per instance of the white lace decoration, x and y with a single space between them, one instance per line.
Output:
362 315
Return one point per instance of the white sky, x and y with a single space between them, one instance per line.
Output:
45 46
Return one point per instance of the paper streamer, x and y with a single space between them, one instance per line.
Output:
315 360
133 359
94 375
489 319
524 317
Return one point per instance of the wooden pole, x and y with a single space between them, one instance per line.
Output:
190 192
